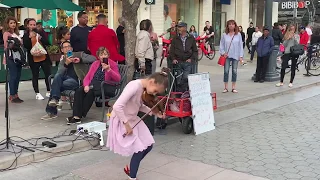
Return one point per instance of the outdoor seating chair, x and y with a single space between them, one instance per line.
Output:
119 88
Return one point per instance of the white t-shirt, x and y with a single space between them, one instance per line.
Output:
255 37
309 32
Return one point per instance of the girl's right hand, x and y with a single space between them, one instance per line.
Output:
128 128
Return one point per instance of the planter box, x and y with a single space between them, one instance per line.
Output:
55 57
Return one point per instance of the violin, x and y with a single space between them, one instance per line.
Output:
152 102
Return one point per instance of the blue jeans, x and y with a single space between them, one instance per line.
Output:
135 161
59 84
14 76
234 64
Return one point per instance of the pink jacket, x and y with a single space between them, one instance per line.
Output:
112 75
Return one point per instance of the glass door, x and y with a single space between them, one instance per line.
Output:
219 20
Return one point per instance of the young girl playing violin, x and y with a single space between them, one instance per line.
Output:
138 140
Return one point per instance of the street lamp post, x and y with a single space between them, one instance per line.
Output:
271 74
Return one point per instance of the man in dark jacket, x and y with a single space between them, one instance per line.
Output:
183 53
277 34
67 77
264 48
250 31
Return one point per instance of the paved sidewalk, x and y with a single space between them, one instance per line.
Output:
159 167
276 138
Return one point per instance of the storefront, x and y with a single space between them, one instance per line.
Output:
307 11
187 11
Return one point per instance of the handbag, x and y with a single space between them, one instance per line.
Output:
37 49
282 48
222 58
297 49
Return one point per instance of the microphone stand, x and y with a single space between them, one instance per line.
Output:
6 114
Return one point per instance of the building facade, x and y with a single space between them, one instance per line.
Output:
301 12
163 12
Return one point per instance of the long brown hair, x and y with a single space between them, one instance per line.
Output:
289 33
236 28
6 27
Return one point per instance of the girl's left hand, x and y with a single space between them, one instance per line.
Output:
241 60
160 115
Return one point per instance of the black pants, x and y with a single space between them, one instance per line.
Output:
35 69
284 65
148 65
248 41
253 49
262 66
83 101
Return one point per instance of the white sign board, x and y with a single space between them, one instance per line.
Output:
201 102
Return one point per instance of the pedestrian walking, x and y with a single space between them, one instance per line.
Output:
255 36
232 48
250 31
243 41
265 46
30 39
138 141
11 30
144 50
290 39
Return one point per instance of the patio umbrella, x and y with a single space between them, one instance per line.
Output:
3 6
42 4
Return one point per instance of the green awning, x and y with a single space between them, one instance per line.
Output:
42 4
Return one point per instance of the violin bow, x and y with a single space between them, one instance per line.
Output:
144 116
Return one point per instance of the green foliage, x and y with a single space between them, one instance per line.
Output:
4 12
53 49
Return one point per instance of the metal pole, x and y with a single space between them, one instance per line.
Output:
271 74
295 13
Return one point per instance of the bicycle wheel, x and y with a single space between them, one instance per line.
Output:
212 53
200 54
314 68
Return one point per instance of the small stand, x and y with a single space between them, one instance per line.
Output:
8 139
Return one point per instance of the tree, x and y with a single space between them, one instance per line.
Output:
129 15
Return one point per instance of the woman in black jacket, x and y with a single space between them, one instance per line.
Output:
30 37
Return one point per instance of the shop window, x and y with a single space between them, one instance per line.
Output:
65 18
117 12
93 8
182 10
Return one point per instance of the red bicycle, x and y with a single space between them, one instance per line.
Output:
165 49
202 48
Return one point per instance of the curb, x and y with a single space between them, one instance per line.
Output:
62 149
261 97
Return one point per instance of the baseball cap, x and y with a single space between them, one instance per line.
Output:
182 24
302 27
266 28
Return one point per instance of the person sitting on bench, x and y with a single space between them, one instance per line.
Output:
101 70
66 77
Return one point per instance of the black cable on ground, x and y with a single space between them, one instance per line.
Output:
35 146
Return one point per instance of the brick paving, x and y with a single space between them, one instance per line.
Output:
282 143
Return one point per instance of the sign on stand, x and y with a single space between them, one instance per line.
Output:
201 102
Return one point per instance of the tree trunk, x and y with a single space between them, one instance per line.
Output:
129 15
